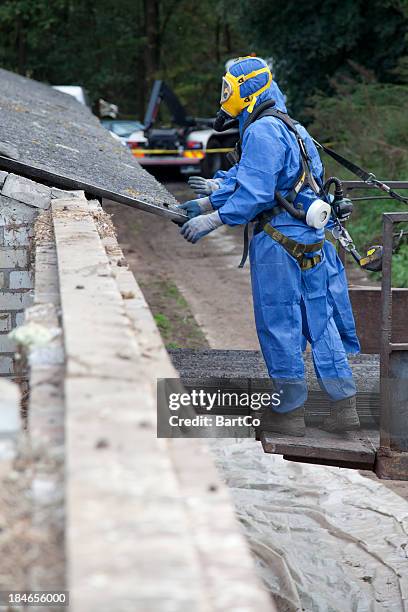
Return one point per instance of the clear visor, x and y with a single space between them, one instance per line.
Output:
226 90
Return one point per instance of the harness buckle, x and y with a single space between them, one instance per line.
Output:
298 250
371 179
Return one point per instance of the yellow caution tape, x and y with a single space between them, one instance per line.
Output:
174 151
156 151
223 150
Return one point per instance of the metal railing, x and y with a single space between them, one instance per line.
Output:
392 456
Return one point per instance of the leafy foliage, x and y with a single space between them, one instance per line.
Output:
367 122
116 49
107 47
312 40
94 44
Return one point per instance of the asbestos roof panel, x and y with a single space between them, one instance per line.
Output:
50 130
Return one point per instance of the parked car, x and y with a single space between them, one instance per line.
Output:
129 132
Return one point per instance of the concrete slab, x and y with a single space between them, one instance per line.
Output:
7 345
5 321
6 364
26 191
18 235
46 428
22 279
15 301
15 213
127 490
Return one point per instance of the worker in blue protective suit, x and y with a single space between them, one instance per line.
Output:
219 190
289 266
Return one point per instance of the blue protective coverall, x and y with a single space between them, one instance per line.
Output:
290 305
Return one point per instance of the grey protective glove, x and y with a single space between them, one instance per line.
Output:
194 208
202 186
198 227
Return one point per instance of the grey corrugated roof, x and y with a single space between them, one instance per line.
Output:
49 130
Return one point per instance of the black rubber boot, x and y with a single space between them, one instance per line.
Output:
343 416
287 424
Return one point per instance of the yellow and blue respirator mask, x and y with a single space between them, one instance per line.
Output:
231 101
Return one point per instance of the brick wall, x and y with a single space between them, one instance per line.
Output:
20 201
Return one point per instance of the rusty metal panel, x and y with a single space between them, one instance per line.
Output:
366 303
391 465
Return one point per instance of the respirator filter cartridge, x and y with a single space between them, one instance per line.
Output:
318 214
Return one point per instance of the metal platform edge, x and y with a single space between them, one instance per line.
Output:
354 450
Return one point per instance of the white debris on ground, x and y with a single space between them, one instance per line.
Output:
33 334
326 539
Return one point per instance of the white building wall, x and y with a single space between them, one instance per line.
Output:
20 201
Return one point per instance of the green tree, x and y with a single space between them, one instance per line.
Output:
371 128
312 40
116 49
198 39
94 44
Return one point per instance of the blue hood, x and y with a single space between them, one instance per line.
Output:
273 93
247 65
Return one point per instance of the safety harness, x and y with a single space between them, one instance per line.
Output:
297 250
367 177
373 258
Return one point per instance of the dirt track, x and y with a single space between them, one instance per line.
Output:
217 294
206 274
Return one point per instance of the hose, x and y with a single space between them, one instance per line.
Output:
298 214
338 190
223 122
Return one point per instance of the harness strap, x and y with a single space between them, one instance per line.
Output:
304 156
302 180
267 109
310 262
246 247
367 177
296 249
267 215
262 219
